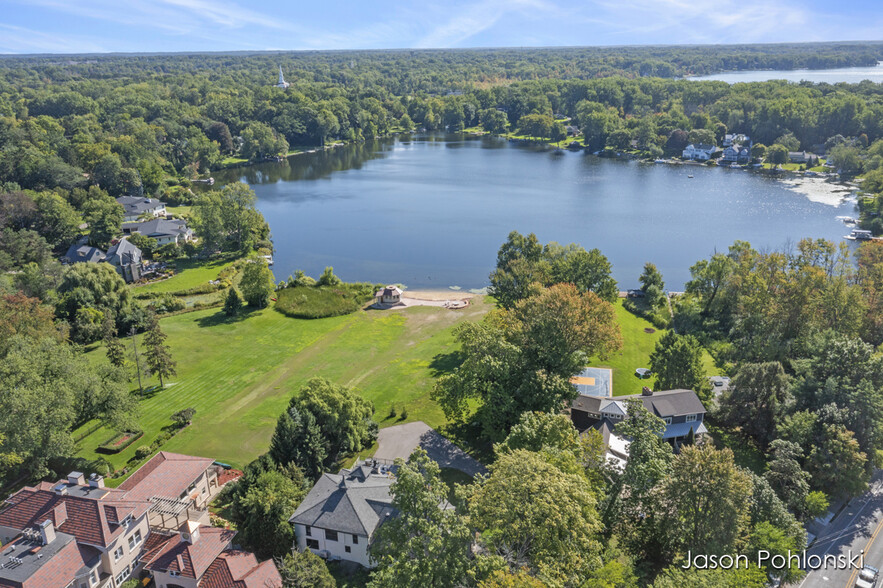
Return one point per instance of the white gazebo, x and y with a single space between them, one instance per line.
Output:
389 295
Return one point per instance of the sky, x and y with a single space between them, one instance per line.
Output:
98 26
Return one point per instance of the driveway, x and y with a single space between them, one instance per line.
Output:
402 440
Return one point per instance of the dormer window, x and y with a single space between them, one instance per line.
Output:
667 420
691 418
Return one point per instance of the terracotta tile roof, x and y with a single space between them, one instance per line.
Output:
240 569
83 517
166 474
190 560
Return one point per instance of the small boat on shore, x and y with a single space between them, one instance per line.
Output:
659 161
859 235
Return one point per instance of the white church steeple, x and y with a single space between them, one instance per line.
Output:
281 83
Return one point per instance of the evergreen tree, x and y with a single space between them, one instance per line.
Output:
233 302
157 353
116 351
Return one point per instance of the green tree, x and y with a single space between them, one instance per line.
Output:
183 417
97 286
262 512
494 121
786 477
777 154
651 276
257 283
547 519
232 302
704 488
758 398
157 354
105 219
114 348
677 362
304 569
426 544
298 440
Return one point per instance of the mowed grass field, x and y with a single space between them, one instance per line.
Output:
189 274
638 344
239 374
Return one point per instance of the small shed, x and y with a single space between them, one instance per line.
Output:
389 295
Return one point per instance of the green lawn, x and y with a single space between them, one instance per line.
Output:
190 273
179 210
239 375
637 346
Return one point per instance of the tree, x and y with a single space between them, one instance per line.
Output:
651 276
228 219
262 511
260 140
28 317
786 477
298 440
494 121
114 348
183 417
304 569
758 398
837 464
328 278
546 521
777 154
677 362
425 544
156 352
232 302
257 283
97 286
706 487
105 219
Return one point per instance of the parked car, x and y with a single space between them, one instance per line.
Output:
867 578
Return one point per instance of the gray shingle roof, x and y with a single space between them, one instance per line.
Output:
158 227
123 253
84 253
666 403
136 205
352 501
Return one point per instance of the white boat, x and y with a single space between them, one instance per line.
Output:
859 235
735 166
659 161
690 176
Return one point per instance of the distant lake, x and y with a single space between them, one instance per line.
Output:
431 211
851 75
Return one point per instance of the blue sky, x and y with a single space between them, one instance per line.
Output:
78 26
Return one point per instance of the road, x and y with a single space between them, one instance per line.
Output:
857 528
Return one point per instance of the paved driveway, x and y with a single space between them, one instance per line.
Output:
402 440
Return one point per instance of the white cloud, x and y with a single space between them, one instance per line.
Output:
16 39
477 18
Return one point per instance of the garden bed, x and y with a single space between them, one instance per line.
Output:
119 441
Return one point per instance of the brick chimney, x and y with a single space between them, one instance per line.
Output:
646 391
47 532
96 481
76 479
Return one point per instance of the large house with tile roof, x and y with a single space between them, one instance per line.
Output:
77 533
339 516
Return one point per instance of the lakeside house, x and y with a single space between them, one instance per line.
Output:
127 259
136 206
78 533
738 149
681 410
699 152
165 231
389 295
339 517
802 157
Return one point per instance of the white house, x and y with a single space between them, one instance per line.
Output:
338 518
700 152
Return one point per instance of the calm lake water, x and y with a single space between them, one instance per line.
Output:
431 212
852 75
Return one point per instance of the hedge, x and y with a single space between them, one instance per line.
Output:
119 441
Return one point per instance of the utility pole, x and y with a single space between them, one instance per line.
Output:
137 362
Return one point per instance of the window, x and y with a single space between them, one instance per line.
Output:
313 543
330 535
667 420
118 553
174 573
93 577
347 548
355 539
134 540
121 577
691 418
308 531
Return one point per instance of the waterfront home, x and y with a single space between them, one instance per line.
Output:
339 517
799 156
136 206
699 152
83 254
389 295
737 153
163 230
681 410
127 259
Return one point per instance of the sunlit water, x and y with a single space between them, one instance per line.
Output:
851 75
431 212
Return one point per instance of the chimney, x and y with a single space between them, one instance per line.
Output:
96 481
47 532
646 391
76 479
59 513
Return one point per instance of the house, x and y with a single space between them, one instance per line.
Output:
389 295
77 533
737 153
681 410
163 230
83 254
572 130
126 259
106 528
181 486
136 206
700 152
339 516
799 156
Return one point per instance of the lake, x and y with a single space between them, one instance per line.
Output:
851 75
432 211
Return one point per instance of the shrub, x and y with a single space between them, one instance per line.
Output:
321 302
233 302
143 451
183 417
404 412
301 279
328 278
161 439
392 411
